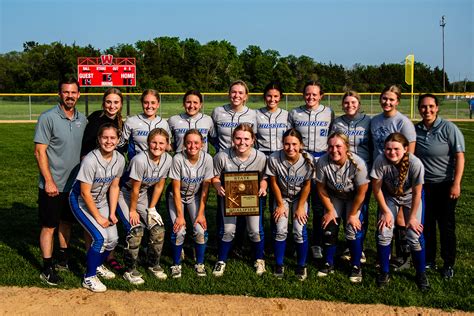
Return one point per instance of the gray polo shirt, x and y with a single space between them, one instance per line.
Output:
63 137
437 148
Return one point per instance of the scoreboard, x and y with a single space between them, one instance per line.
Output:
106 71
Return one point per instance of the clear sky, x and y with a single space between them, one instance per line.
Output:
369 32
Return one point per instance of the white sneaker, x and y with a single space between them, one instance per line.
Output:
94 284
363 259
176 271
158 272
346 255
200 269
260 267
219 269
134 277
317 252
105 273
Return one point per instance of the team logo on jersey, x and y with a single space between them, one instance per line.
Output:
151 179
311 123
229 124
339 186
292 179
104 180
142 133
271 125
192 180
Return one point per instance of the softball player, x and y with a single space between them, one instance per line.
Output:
382 125
397 179
191 173
149 169
342 182
290 172
313 120
98 180
356 126
192 118
136 128
240 157
272 121
227 117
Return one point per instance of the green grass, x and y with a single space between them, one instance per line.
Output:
20 258
19 108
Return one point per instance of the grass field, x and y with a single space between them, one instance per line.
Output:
20 258
20 108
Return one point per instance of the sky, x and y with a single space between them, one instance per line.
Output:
345 32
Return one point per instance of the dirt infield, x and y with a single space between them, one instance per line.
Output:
16 300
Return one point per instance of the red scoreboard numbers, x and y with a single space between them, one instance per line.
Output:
106 71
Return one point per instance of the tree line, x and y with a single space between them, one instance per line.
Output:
170 64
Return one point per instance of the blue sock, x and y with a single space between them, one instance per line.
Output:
330 251
384 257
224 248
301 253
94 259
419 260
258 249
177 253
200 250
280 247
355 247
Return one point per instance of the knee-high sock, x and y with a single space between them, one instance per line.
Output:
94 259
330 251
200 251
419 260
280 247
224 248
177 253
301 253
355 247
383 253
258 249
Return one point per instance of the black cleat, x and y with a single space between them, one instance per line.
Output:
422 282
383 279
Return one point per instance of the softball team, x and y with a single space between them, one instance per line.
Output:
191 118
191 173
296 155
342 182
93 201
148 169
290 172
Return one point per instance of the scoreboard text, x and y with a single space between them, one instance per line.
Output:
106 71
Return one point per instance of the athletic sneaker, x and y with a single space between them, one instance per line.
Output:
200 269
176 271
94 284
317 252
422 282
326 270
431 266
105 273
301 273
158 272
182 256
400 263
447 272
363 259
346 255
279 272
50 276
356 275
383 279
62 266
259 267
134 277
219 269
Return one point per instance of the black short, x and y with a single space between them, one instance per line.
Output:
52 210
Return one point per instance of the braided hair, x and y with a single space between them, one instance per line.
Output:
341 135
295 133
403 164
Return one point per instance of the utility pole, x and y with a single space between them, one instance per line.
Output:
442 23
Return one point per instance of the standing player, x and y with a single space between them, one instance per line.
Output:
440 146
382 125
240 157
397 179
342 181
57 137
356 126
290 172
191 173
227 117
191 118
137 127
98 180
149 169
313 120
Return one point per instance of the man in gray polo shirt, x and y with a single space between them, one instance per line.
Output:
58 138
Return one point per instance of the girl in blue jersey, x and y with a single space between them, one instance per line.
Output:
397 180
290 172
94 201
191 173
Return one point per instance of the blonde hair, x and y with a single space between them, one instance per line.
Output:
404 164
351 93
345 139
394 89
158 131
239 83
245 127
116 91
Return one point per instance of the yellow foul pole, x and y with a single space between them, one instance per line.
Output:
410 79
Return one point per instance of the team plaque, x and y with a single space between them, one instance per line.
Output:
241 193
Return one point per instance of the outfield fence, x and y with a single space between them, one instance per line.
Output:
28 106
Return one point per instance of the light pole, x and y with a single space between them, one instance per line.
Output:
442 23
